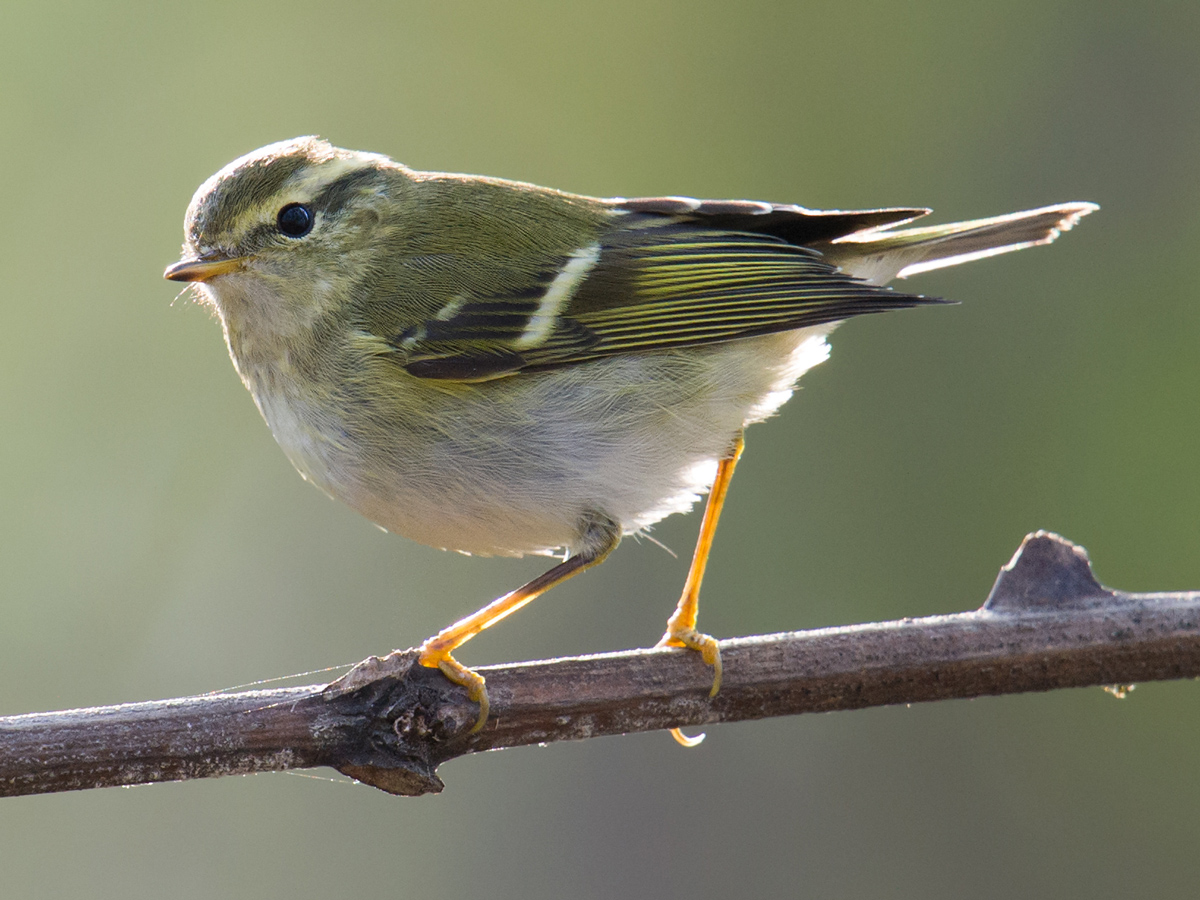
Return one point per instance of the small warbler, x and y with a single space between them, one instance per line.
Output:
498 368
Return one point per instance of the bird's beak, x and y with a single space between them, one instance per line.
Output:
202 269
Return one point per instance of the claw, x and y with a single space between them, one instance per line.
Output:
686 741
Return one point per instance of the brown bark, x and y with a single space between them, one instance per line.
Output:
1047 624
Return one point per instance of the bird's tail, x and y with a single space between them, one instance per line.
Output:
879 255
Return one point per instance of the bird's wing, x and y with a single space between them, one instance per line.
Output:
666 273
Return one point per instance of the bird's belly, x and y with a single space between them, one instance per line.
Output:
520 464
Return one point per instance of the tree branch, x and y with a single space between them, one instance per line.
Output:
389 722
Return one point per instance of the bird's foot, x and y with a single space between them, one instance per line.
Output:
704 644
434 656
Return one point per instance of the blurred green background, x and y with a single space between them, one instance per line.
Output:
154 542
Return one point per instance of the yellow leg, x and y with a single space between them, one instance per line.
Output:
600 539
681 627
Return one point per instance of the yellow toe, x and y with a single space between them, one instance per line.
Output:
436 658
704 644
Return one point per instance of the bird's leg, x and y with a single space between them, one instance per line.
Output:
600 537
681 627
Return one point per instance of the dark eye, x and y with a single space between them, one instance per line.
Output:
295 220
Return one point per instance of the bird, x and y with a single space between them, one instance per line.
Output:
501 369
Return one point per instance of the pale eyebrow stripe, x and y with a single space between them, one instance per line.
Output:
309 183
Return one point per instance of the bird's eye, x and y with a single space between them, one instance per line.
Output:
295 220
